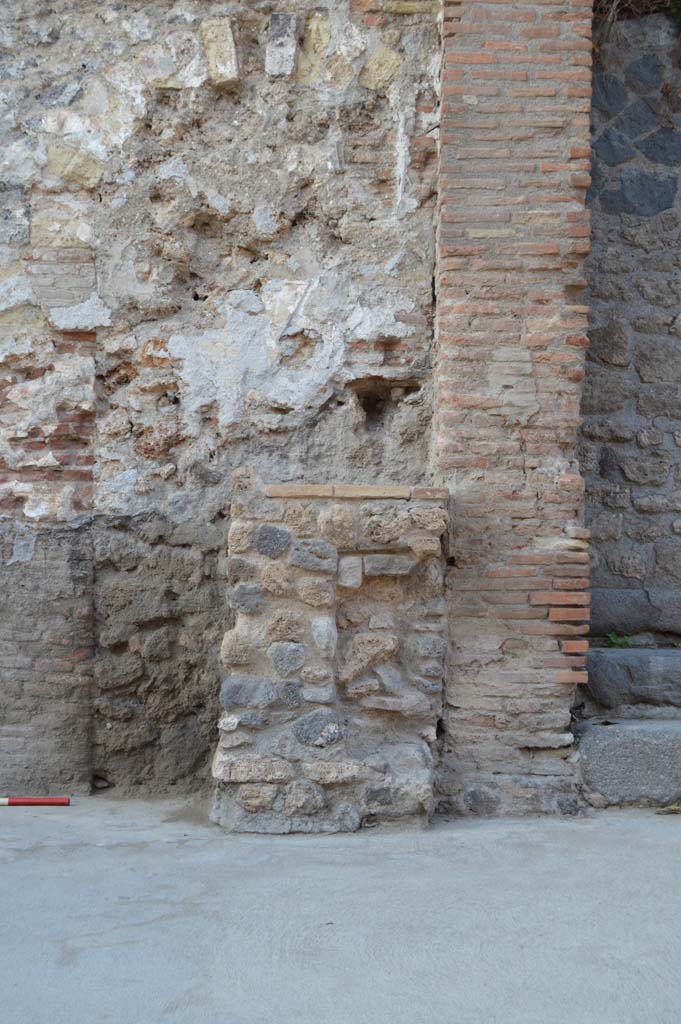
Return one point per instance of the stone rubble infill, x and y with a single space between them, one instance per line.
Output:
335 663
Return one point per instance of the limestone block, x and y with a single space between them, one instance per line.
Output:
324 634
285 625
337 524
316 675
408 704
434 519
220 48
388 565
313 48
423 544
254 797
276 579
315 592
304 797
380 69
350 572
62 222
383 526
227 768
282 44
239 537
365 650
330 773
236 649
74 166
364 687
232 740
301 519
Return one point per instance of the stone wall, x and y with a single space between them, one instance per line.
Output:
335 663
217 246
630 449
631 437
45 658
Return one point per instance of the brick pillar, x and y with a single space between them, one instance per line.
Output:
513 234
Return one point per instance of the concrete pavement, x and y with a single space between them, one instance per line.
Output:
141 913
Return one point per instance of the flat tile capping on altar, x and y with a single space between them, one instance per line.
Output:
335 662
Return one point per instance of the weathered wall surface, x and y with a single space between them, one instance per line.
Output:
631 437
217 246
45 658
511 333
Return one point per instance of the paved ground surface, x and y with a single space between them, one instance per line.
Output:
139 913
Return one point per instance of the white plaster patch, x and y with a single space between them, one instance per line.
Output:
15 291
86 315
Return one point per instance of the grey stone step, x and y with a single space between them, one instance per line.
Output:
634 761
635 676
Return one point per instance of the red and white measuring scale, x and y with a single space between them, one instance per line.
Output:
34 801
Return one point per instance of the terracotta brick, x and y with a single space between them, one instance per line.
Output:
368 491
299 490
568 614
513 231
561 598
575 646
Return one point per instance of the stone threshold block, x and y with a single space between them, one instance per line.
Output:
633 761
334 667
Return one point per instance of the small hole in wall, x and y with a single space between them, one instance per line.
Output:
451 561
378 396
440 728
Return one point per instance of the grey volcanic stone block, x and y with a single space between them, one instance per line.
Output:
663 146
315 555
636 676
659 400
247 597
271 541
645 73
609 94
287 657
628 612
637 119
318 729
246 692
647 194
613 148
641 194
632 762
